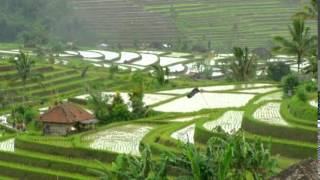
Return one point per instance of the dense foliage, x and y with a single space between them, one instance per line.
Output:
299 104
243 65
289 83
37 22
229 158
277 70
109 108
301 44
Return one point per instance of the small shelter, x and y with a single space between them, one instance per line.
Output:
66 118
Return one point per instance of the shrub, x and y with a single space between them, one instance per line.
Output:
243 65
138 108
119 110
277 70
302 109
302 94
311 86
290 82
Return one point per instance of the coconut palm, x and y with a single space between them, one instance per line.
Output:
243 65
160 74
310 11
300 44
24 65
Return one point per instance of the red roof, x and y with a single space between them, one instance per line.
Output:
66 113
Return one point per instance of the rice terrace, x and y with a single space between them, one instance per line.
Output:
158 89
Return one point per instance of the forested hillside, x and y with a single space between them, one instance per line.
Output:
38 22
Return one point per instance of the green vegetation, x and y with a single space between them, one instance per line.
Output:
223 159
243 67
278 70
157 121
38 22
301 44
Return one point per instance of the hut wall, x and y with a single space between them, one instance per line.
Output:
58 129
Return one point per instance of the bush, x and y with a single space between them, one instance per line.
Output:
302 109
311 86
302 94
138 107
277 70
290 82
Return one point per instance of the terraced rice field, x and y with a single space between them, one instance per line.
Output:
177 68
152 52
270 113
74 53
185 135
148 99
90 54
7 145
270 97
214 88
166 61
230 23
127 57
179 54
108 55
121 139
230 122
205 101
259 90
186 119
57 80
146 60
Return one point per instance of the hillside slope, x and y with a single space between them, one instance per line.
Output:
124 21
225 22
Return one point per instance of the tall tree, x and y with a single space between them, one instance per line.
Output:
160 74
24 65
243 65
300 44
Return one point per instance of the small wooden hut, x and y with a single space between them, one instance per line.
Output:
66 118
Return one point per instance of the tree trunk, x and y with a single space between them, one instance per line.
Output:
299 62
24 92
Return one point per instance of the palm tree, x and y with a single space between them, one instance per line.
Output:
24 64
243 65
301 44
160 74
310 12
